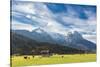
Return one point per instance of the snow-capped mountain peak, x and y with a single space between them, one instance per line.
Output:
38 30
74 35
73 39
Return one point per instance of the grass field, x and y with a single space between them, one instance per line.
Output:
55 59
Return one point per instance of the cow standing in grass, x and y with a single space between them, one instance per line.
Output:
62 56
25 57
33 56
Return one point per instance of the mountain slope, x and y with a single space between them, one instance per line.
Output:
76 40
24 39
23 45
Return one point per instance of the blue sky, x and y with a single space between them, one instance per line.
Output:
54 17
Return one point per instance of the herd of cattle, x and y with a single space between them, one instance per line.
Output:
28 57
43 53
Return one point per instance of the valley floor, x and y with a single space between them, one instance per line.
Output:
17 61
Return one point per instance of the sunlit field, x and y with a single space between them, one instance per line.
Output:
17 61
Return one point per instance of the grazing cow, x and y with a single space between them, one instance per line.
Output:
62 56
25 57
28 57
33 56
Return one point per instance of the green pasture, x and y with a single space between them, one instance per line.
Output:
17 61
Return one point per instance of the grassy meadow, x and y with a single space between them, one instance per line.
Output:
17 61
